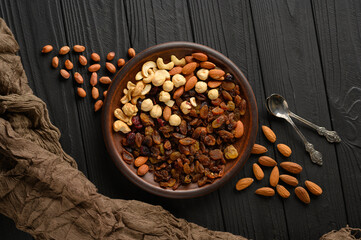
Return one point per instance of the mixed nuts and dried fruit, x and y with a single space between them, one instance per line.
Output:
83 61
180 120
291 167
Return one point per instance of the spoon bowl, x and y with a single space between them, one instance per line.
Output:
277 106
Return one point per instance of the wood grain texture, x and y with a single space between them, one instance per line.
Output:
231 32
290 64
338 27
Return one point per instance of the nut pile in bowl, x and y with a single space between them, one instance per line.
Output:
180 120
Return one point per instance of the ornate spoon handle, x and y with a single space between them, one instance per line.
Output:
331 136
316 156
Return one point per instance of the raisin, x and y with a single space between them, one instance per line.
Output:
194 122
184 149
186 168
243 107
217 111
228 86
178 135
218 122
146 120
128 157
183 127
167 145
203 112
216 102
216 154
138 139
231 106
156 137
144 151
225 135
237 100
187 141
209 140
131 138
227 96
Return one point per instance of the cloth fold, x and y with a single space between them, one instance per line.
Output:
41 188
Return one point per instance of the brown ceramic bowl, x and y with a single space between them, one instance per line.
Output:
128 72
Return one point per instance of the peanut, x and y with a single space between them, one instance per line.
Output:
47 49
131 52
110 66
95 93
82 60
110 56
64 73
98 105
55 62
142 170
78 78
81 92
121 62
94 79
95 57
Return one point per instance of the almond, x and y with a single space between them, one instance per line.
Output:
258 149
189 68
47 49
269 134
82 60
94 79
110 66
98 105
274 177
131 52
78 78
214 84
188 76
79 48
291 167
139 161
95 93
175 70
178 93
190 83
94 68
121 62
302 194
167 112
267 161
313 188
81 92
200 56
239 129
284 149
68 64
105 80
142 170
207 65
64 50
64 73
265 191
95 57
290 180
110 56
189 59
105 94
244 183
282 191
258 172
216 74
55 62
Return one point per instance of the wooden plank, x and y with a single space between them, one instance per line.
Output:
338 26
154 22
290 64
227 26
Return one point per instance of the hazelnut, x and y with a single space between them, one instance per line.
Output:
178 80
159 77
129 109
193 101
164 96
213 94
201 87
185 107
119 125
168 86
174 120
202 74
156 111
147 105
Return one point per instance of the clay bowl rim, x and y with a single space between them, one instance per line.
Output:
157 190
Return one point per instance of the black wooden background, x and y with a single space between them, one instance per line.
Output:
307 50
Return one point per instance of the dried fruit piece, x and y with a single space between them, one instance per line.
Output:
121 62
95 57
110 67
78 48
139 161
228 86
64 50
68 64
94 67
291 167
94 79
230 152
269 134
274 177
257 171
267 161
98 105
290 180
282 191
127 157
302 194
81 92
78 78
82 60
258 149
284 149
55 62
47 49
64 73
218 122
142 170
216 154
187 141
313 188
244 183
265 191
131 52
110 56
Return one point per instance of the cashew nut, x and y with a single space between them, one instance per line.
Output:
150 77
156 111
170 103
130 85
146 89
125 91
118 113
193 101
160 77
202 74
162 65
134 100
124 99
178 80
178 62
168 86
147 105
146 66
138 89
139 76
119 125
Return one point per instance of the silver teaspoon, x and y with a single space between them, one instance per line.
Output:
278 107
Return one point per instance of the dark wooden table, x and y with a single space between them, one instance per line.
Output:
309 51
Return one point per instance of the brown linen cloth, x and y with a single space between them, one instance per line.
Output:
41 188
